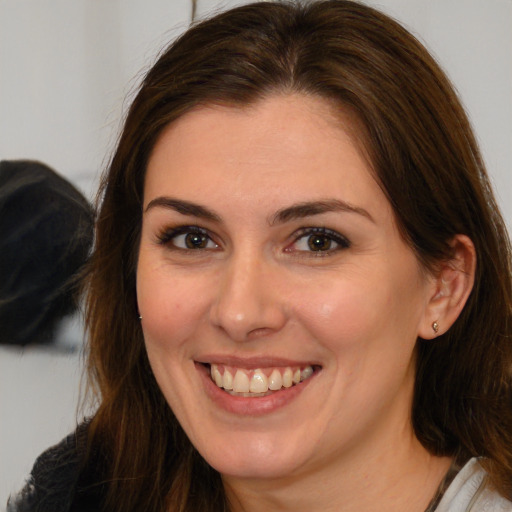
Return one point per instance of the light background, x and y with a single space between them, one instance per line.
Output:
67 71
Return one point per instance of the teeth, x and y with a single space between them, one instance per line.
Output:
275 380
259 382
306 373
241 382
288 378
227 380
255 382
217 377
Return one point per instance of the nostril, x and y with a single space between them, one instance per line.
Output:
260 332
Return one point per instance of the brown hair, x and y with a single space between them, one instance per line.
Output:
422 150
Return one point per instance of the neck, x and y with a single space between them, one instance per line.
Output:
401 477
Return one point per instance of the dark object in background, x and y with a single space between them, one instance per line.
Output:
46 233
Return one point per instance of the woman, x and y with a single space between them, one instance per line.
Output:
300 292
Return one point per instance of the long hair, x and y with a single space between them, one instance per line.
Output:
423 153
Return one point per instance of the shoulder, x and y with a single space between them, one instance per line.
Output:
471 491
54 482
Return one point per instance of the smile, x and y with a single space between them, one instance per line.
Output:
258 382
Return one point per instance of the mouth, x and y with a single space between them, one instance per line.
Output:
258 382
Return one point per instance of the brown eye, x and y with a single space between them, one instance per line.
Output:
196 240
188 238
319 242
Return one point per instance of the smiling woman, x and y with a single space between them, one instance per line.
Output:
300 296
287 275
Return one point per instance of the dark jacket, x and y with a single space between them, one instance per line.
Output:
59 481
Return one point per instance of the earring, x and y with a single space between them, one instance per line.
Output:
140 318
435 327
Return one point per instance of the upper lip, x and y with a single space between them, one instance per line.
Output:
252 363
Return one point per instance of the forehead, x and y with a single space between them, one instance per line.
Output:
282 149
294 122
272 114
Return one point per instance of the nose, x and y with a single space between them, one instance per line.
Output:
248 302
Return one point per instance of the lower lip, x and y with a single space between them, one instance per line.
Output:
247 406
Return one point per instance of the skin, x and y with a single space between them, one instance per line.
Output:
257 290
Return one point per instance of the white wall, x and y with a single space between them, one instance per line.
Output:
65 68
472 40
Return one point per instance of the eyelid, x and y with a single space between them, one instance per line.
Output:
166 235
342 241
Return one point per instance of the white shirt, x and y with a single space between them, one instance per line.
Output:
471 491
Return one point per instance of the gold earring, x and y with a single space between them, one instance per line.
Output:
435 327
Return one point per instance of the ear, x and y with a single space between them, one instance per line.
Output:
451 285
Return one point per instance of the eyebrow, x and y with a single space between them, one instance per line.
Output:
183 207
310 208
293 212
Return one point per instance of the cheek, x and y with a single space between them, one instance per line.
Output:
364 308
340 313
171 308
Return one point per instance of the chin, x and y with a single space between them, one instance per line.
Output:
253 457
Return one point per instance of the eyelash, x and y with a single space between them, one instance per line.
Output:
169 236
327 234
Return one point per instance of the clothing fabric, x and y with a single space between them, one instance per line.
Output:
38 402
470 491
60 483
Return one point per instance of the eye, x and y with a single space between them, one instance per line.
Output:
187 238
318 240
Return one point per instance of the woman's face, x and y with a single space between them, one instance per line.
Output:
270 259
